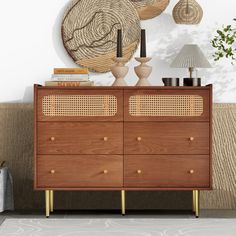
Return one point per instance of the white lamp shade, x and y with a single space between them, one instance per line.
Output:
190 56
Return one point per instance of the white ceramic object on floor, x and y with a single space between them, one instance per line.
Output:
143 71
119 71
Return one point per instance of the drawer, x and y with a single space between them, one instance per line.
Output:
79 171
80 138
166 138
79 105
167 171
167 104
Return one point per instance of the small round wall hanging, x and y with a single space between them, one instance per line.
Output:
148 9
89 31
187 12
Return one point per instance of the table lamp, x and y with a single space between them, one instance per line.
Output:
190 56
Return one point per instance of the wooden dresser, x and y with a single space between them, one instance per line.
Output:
123 138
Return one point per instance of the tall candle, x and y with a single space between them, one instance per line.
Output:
143 44
119 44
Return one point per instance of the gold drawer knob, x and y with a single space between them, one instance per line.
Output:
105 139
191 139
52 139
139 139
52 171
191 172
139 172
105 171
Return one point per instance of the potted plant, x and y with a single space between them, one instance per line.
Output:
225 43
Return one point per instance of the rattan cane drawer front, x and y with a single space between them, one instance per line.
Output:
166 138
60 171
80 105
167 171
80 138
170 106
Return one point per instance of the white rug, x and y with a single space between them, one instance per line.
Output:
118 227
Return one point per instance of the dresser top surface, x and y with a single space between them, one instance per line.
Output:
207 87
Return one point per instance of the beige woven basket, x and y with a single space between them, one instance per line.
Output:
187 12
89 31
148 9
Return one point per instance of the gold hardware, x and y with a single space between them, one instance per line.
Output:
47 202
196 198
194 202
105 139
52 171
52 139
139 139
191 138
123 202
51 200
139 171
191 171
105 171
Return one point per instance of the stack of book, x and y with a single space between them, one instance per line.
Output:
70 77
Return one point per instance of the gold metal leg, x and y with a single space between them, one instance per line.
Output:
47 202
194 202
51 200
197 193
123 202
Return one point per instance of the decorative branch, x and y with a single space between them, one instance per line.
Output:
224 43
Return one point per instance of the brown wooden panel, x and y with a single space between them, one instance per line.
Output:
166 171
204 94
70 103
80 138
94 88
166 138
79 171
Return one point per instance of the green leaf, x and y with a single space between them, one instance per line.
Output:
224 43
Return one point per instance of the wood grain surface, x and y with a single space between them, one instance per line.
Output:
80 138
166 138
89 31
64 171
16 147
166 171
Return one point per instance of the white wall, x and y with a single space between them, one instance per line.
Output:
30 47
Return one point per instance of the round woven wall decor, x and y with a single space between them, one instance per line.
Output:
187 12
148 9
89 31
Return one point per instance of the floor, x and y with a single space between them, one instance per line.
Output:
211 222
163 214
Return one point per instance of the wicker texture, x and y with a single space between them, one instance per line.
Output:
148 9
166 105
79 105
223 195
187 12
89 31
